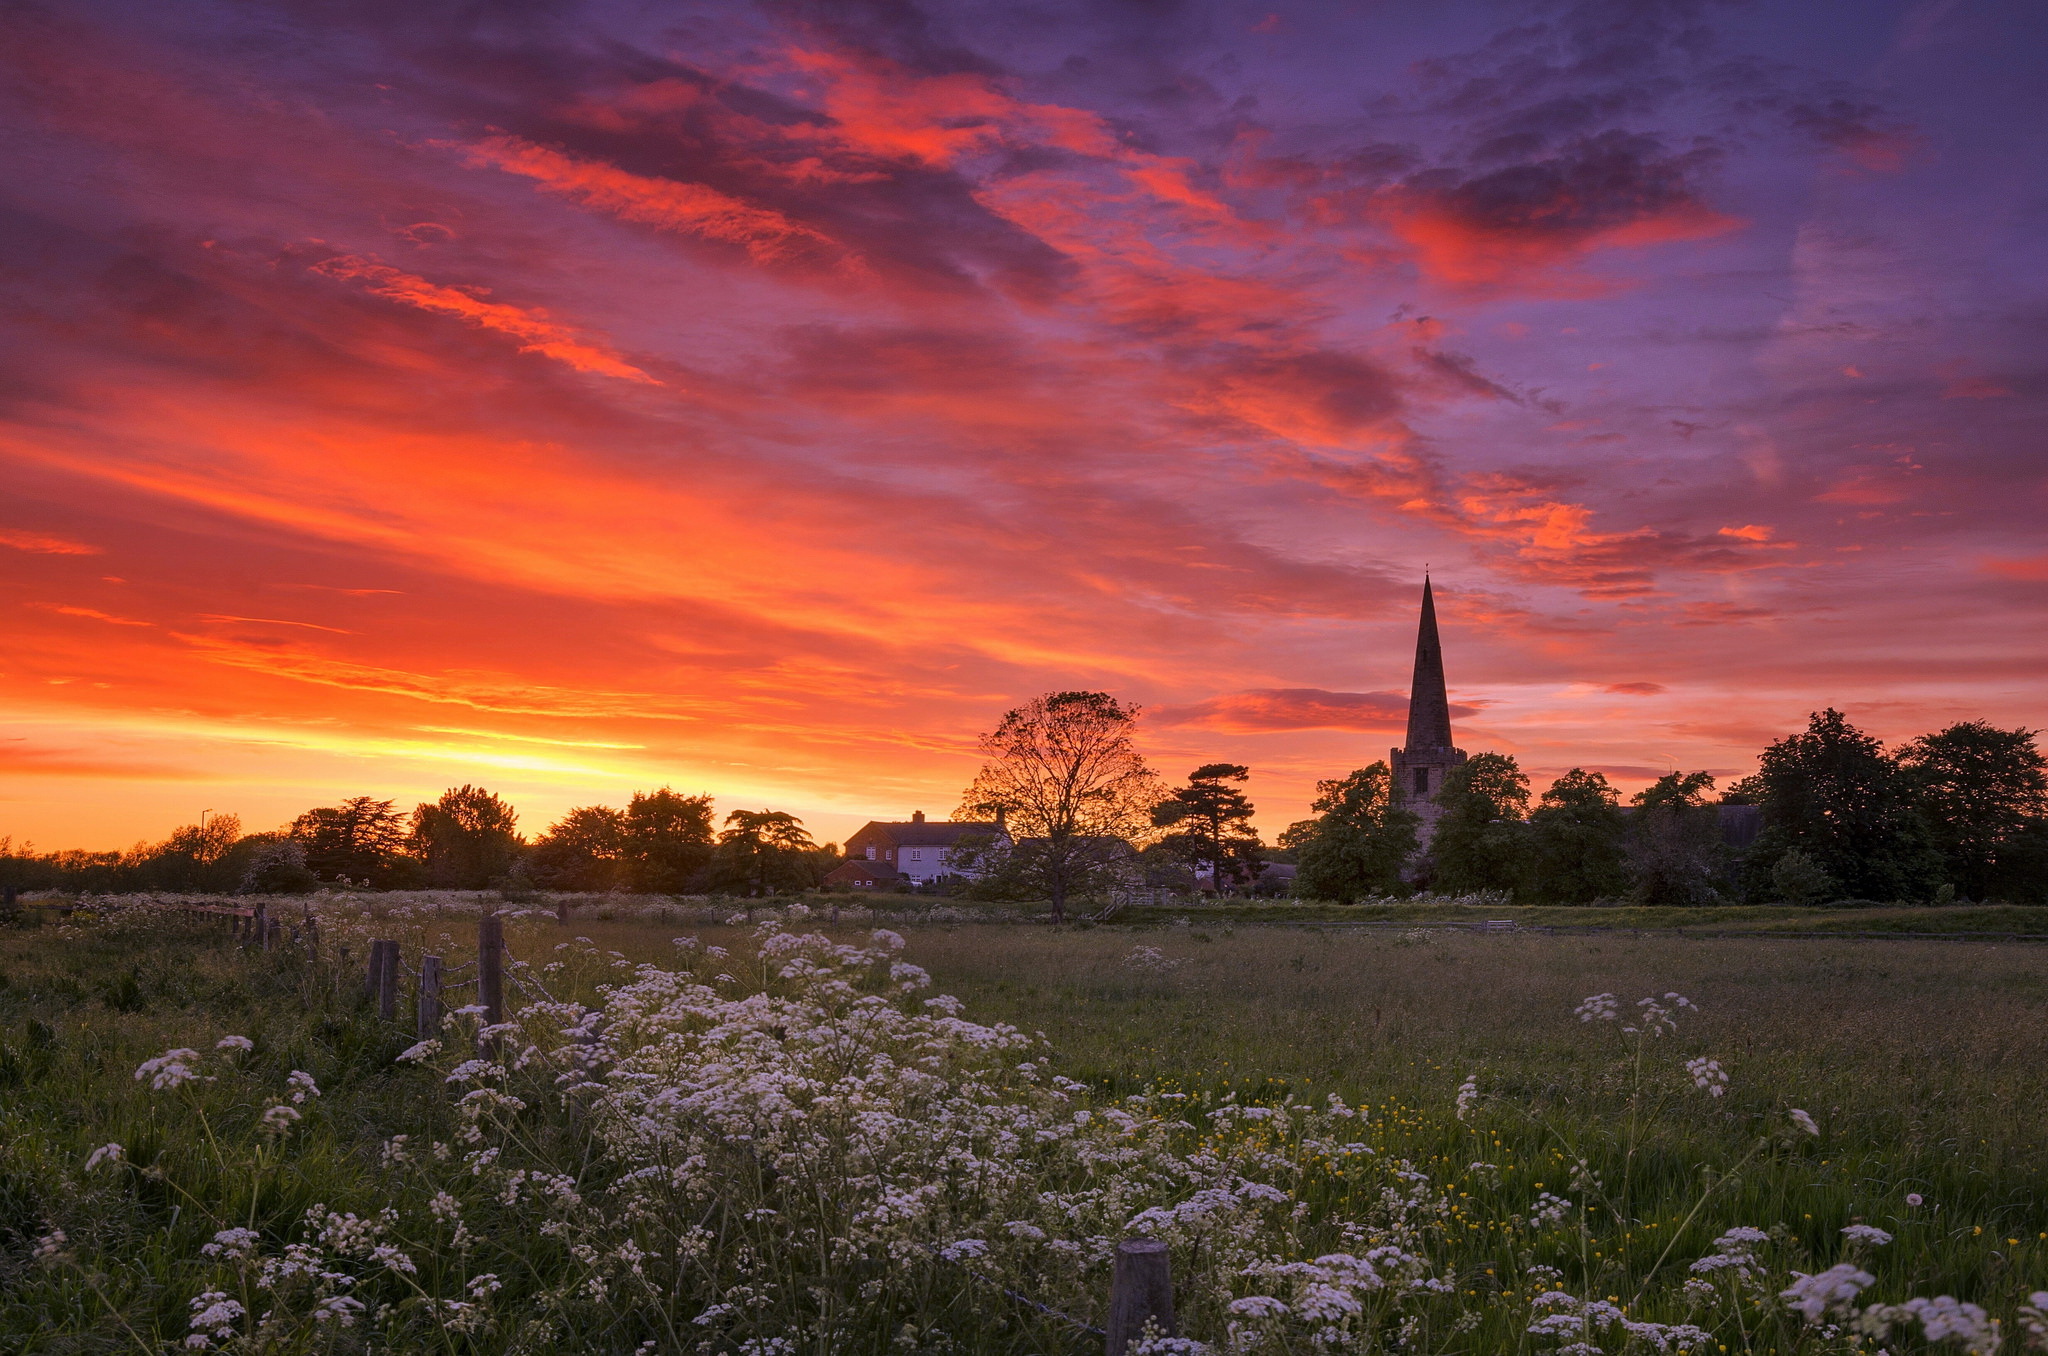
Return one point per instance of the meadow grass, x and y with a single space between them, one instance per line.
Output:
1921 1062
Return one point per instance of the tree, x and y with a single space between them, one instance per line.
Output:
1674 842
1063 769
1800 880
762 851
277 866
1980 788
1212 823
668 841
584 850
1358 843
198 856
1832 792
1577 851
1480 842
359 840
467 840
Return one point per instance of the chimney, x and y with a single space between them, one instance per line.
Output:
917 816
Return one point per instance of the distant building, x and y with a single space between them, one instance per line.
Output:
1421 766
920 850
862 874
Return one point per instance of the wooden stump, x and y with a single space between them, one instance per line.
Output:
1140 1293
430 997
490 978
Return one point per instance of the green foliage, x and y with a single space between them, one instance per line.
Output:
1359 842
667 843
1674 842
1577 842
1801 880
1065 775
1832 792
360 840
584 851
467 840
1212 826
1982 791
762 852
1481 842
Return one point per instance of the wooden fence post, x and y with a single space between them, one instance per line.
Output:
262 922
10 902
387 984
430 997
562 910
373 978
1140 1292
490 978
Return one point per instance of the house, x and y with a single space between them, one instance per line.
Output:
921 850
862 874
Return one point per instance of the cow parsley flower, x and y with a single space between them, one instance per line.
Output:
1804 1121
278 1119
302 1085
239 1044
1468 1095
1830 1291
1601 1007
1708 1075
171 1069
232 1245
1864 1233
106 1153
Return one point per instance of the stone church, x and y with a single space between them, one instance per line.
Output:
1421 766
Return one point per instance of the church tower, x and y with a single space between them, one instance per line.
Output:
1420 768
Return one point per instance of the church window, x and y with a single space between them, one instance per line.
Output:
1422 781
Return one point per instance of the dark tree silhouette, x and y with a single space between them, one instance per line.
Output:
1212 825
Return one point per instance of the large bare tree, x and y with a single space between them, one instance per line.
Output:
1070 785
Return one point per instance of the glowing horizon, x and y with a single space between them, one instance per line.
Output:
760 400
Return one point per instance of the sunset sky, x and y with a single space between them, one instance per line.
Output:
761 398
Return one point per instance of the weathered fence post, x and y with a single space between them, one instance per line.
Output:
562 910
1140 1293
373 977
430 997
490 978
10 902
387 983
262 928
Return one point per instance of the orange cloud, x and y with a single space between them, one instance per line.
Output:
537 333
41 543
667 204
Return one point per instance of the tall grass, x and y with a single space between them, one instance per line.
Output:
786 1148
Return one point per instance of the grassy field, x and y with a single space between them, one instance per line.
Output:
1921 1063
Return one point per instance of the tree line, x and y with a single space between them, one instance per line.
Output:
663 842
1961 813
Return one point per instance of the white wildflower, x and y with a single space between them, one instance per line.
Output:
231 1245
1601 1007
1864 1233
171 1069
214 1315
1831 1291
278 1119
50 1245
302 1085
237 1043
1804 1121
339 1310
1708 1076
965 1250
1914 1198
106 1153
1468 1095
419 1052
1258 1306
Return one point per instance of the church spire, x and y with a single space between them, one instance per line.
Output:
1429 709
